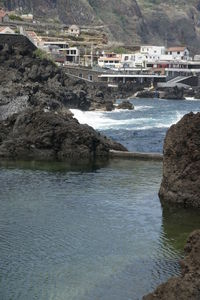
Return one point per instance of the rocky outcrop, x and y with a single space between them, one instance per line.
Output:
192 92
27 79
186 286
173 93
35 121
125 105
181 163
41 134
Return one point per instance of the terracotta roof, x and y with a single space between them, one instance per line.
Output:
175 49
2 29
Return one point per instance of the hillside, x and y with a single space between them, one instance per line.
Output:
128 21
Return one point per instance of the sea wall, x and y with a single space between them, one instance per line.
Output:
135 155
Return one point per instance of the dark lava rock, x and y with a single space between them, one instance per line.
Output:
41 134
42 82
147 94
192 92
173 93
181 164
186 286
125 105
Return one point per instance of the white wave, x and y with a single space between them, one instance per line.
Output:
142 107
102 120
191 99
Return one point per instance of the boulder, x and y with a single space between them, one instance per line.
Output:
181 163
173 93
125 105
186 286
42 134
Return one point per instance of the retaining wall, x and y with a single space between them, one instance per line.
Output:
83 73
16 40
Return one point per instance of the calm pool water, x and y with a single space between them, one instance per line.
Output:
94 232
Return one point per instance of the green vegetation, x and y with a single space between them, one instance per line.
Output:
75 38
15 18
41 54
121 50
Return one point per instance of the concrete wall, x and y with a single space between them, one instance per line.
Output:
16 40
83 73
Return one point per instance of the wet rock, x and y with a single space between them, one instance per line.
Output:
173 93
109 106
147 94
42 134
181 163
192 92
186 286
125 105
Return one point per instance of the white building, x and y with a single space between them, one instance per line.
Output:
74 30
27 17
134 60
152 53
72 55
178 53
110 60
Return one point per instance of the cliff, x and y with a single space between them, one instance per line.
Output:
128 21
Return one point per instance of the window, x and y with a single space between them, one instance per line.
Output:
178 52
126 58
90 77
80 75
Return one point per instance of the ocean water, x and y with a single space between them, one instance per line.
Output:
95 231
142 129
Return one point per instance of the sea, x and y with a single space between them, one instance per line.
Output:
95 231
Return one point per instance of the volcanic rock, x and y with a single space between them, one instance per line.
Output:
173 93
42 134
147 94
41 82
181 164
186 286
125 105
